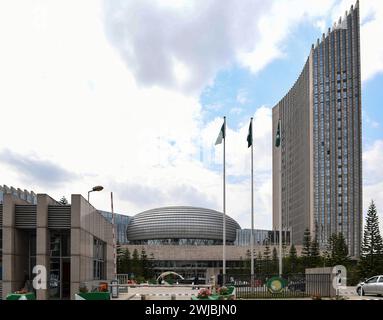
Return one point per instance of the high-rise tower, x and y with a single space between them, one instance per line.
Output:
317 170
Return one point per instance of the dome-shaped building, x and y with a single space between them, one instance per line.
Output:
181 225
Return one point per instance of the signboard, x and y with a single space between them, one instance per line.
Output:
276 284
114 285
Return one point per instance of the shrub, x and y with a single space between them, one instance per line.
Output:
204 293
223 291
83 289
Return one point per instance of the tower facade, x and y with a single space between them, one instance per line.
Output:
317 170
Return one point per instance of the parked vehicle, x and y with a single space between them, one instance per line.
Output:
373 285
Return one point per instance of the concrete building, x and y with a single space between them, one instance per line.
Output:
188 240
73 242
317 170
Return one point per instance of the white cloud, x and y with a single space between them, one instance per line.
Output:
238 166
321 24
70 100
236 110
373 177
242 96
276 26
371 14
68 97
369 121
205 36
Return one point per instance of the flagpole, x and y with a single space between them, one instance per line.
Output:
114 238
224 205
252 204
280 207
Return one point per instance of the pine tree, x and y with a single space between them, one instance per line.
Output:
247 262
63 201
293 259
260 268
128 261
136 265
371 262
120 261
275 260
315 258
305 255
306 243
337 251
145 267
266 258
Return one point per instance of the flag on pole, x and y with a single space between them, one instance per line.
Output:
250 135
278 136
221 135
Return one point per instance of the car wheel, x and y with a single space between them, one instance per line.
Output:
360 292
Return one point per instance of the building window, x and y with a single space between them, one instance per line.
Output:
59 264
1 254
98 259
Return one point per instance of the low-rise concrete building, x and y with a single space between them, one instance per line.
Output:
72 242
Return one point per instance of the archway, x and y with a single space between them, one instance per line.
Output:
164 274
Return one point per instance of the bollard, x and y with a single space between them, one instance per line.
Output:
173 297
143 297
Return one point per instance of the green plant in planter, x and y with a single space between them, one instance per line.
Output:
83 289
223 291
204 293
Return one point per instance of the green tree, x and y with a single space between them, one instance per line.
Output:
306 243
371 261
305 255
274 260
293 260
136 264
259 263
315 257
120 260
266 258
247 262
63 201
146 265
337 251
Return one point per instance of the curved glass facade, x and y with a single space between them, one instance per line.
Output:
318 168
180 225
121 222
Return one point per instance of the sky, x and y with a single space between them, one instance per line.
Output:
130 95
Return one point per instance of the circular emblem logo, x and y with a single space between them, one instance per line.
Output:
276 284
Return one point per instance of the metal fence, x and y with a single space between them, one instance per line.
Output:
291 286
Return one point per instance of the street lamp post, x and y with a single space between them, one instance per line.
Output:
96 188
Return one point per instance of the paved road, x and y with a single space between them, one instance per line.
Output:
350 294
185 293
159 293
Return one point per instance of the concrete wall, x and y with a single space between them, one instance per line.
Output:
42 237
14 247
87 223
199 253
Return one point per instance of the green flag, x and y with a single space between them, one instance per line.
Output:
250 135
221 135
278 136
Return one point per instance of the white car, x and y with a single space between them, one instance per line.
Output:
373 285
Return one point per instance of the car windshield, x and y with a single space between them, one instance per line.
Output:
372 280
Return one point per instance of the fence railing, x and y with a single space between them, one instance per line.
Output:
291 286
